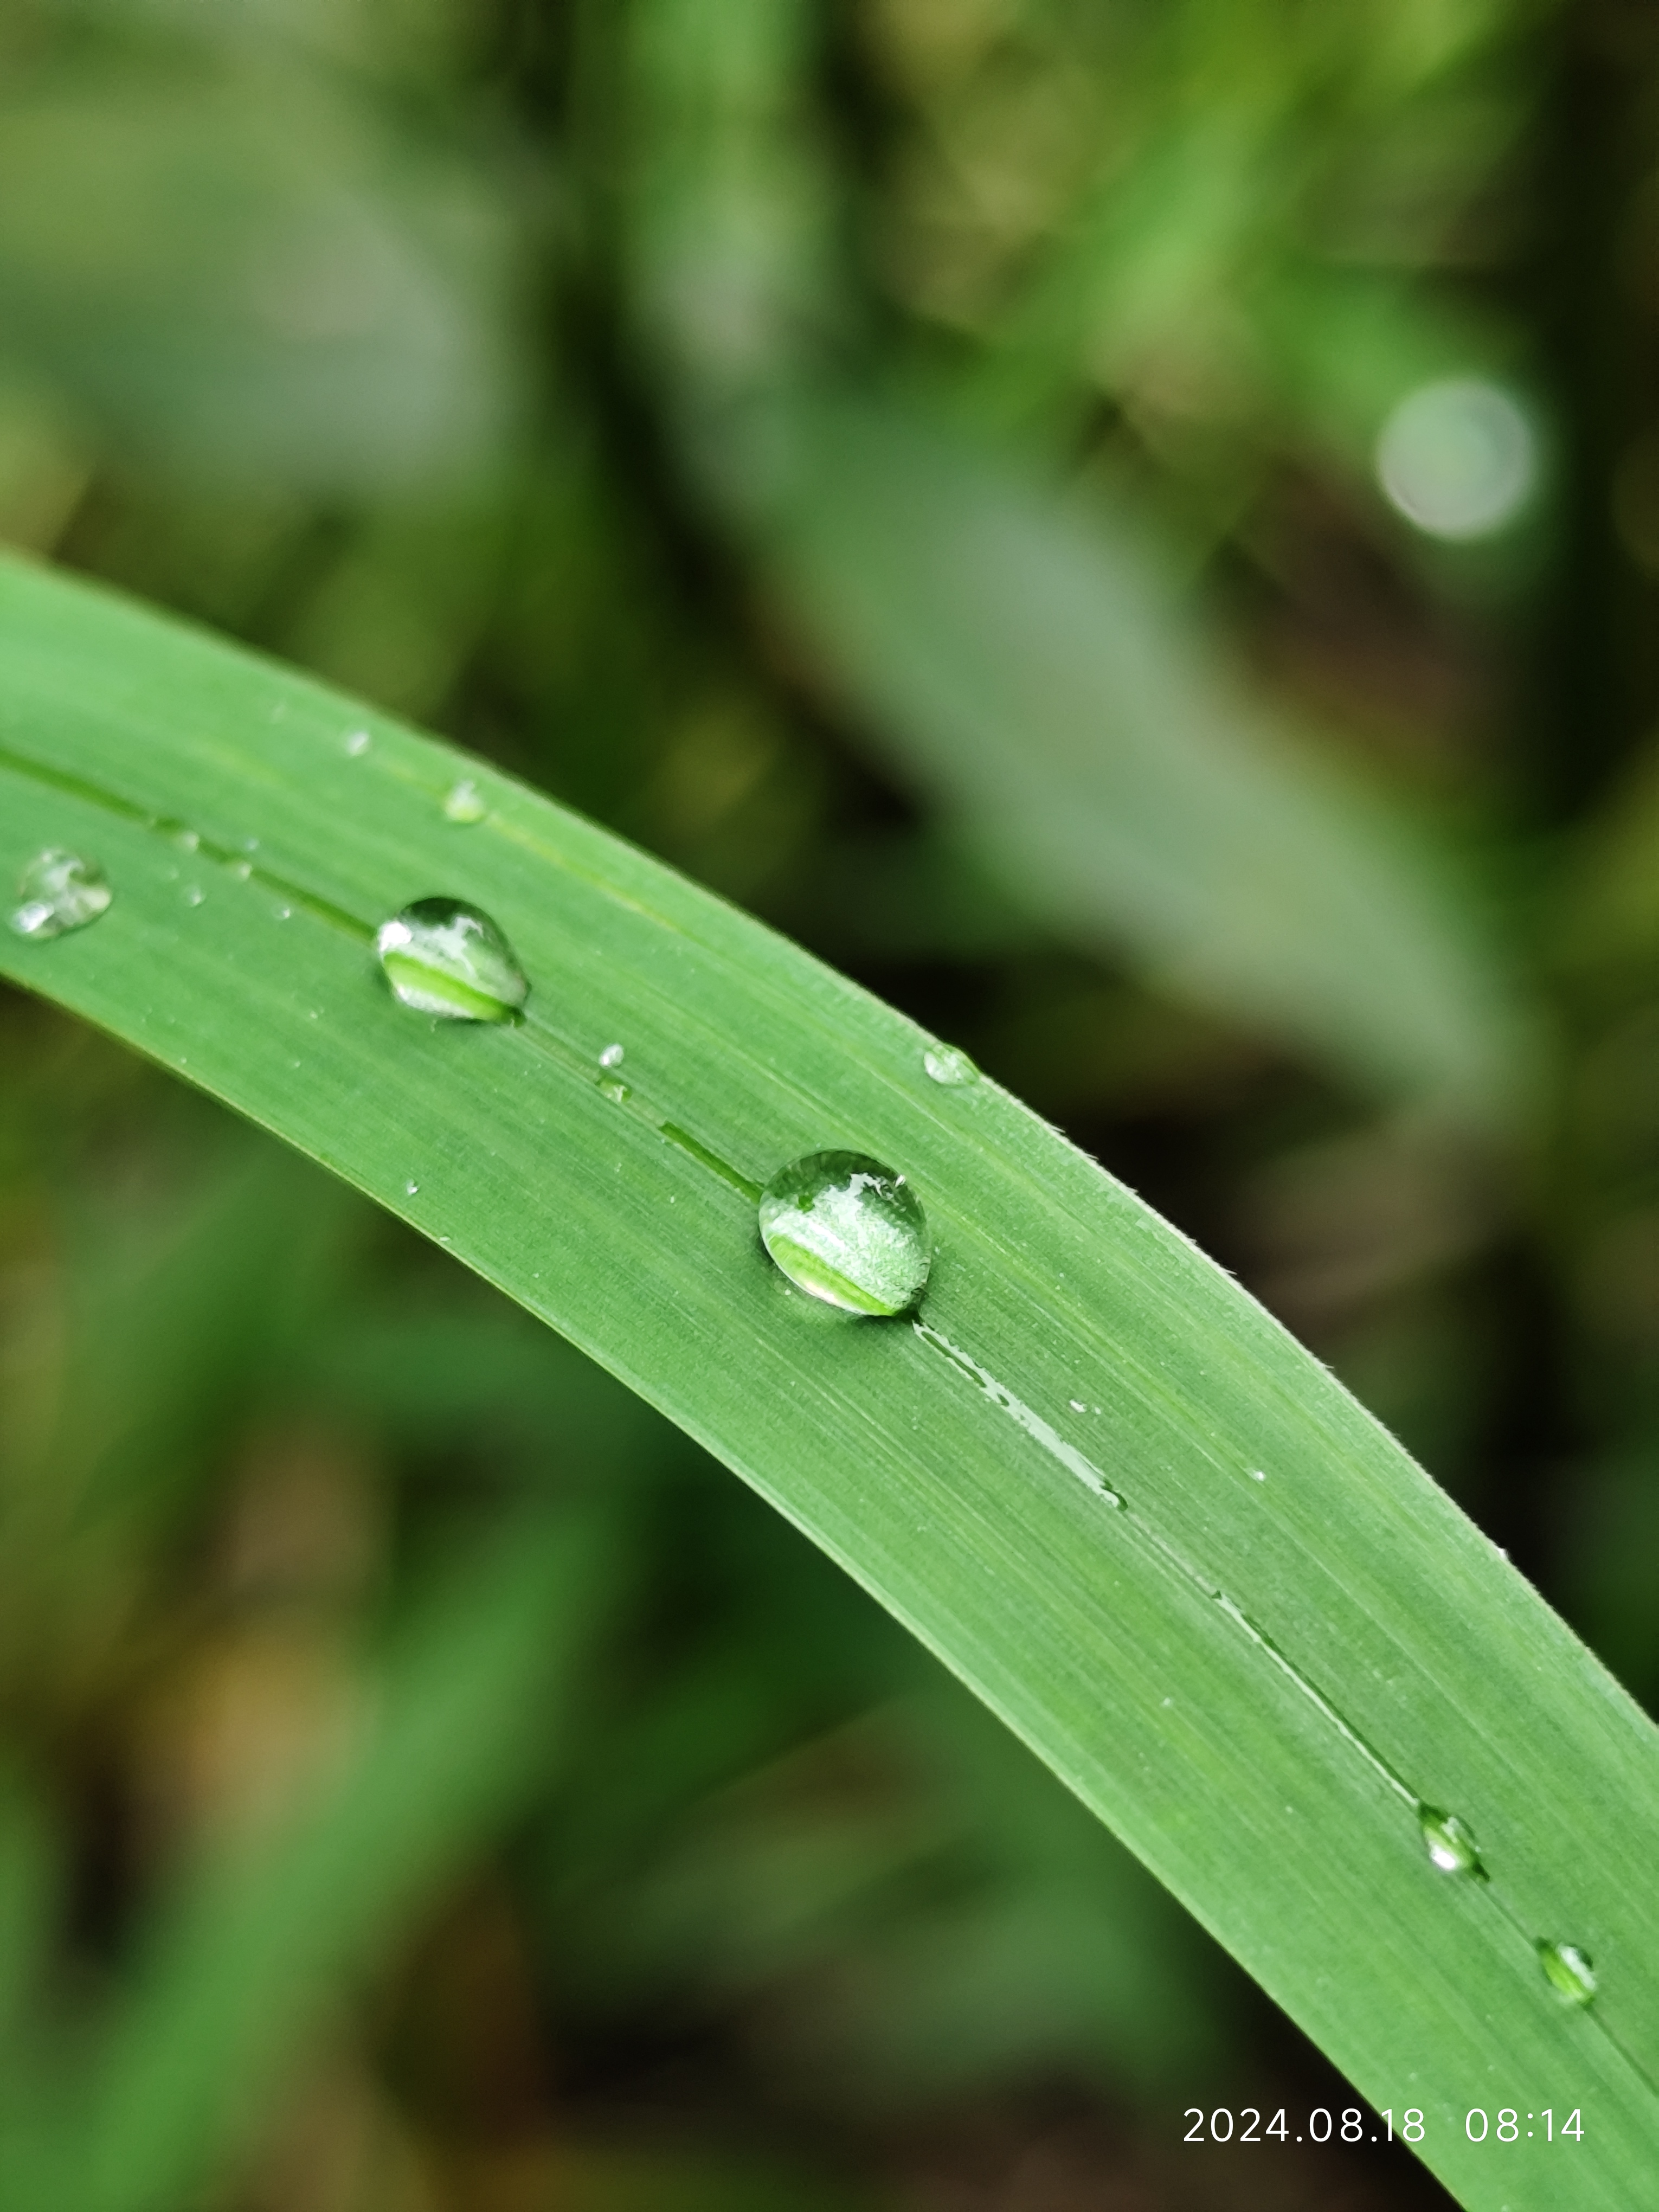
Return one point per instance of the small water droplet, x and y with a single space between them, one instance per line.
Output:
1076 1405
59 892
948 1063
848 1231
249 844
1256 1476
194 895
464 802
1568 1970
612 1056
241 869
443 956
187 841
357 742
613 1088
284 913
1450 1845
410 1189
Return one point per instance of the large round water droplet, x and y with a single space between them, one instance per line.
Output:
443 957
59 892
1450 1845
948 1063
848 1231
1568 1970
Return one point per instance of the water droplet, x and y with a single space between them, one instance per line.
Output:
1256 1476
410 1189
241 869
613 1088
284 913
1076 1405
187 841
59 892
848 1231
612 1056
249 844
194 895
443 956
357 742
464 802
1568 1970
948 1063
1450 1845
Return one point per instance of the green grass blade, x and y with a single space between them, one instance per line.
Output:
466 1720
1253 1667
1011 647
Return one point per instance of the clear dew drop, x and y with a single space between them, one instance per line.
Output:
357 742
194 895
1568 1970
443 956
612 1056
463 802
1076 1405
949 1064
410 1189
59 892
848 1231
241 869
1449 1845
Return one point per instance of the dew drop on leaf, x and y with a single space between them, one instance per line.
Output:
612 1056
848 1231
464 802
613 1088
1450 1845
357 742
1568 1970
949 1064
59 892
443 956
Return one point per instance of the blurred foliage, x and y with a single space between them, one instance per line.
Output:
910 463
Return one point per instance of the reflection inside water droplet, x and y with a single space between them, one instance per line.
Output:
949 1064
59 892
848 1231
1450 1845
443 956
1568 1970
464 802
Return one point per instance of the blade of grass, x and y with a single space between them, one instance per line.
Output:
260 1940
1252 1668
1016 656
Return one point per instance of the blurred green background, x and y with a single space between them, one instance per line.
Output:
1130 525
